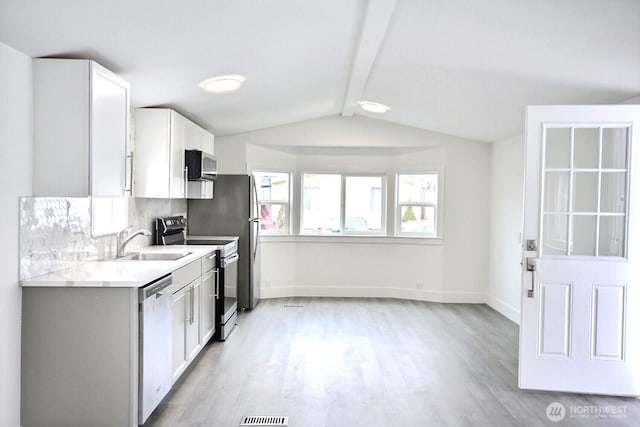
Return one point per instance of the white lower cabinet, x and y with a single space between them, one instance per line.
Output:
193 311
81 346
186 324
207 306
79 356
180 320
193 325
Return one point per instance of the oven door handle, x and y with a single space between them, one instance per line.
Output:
230 260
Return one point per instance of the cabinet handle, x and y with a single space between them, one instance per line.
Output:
130 187
186 181
192 290
188 312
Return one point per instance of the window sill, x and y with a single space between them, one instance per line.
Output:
351 239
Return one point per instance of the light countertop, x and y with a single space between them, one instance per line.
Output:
120 274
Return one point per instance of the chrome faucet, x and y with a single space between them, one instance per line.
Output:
123 237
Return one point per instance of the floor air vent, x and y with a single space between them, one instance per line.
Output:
265 421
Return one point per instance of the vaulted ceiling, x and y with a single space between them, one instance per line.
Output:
461 67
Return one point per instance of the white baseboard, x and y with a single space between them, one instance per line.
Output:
510 312
350 292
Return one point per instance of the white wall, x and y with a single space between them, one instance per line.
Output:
452 269
507 180
16 141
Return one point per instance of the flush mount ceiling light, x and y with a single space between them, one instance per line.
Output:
223 83
374 107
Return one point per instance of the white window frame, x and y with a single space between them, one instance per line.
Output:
438 206
343 204
286 206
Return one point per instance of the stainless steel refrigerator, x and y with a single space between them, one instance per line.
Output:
233 211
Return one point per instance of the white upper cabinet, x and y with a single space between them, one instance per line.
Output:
81 128
159 154
203 140
161 137
200 139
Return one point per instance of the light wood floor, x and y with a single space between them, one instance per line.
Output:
367 363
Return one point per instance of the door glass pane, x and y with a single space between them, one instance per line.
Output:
585 191
555 234
558 148
556 192
584 235
588 167
613 192
612 234
586 152
614 148
363 201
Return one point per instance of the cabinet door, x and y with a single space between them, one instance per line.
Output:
109 132
177 182
152 152
208 142
193 326
81 119
207 305
192 137
180 320
200 190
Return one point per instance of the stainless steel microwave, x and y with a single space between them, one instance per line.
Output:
200 166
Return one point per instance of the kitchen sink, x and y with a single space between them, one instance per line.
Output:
154 256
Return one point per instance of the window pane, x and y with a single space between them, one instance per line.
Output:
418 188
555 234
586 147
585 191
613 192
611 242
556 192
273 186
363 203
584 235
558 148
273 217
321 198
273 197
418 219
614 148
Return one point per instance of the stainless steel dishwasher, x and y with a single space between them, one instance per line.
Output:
156 342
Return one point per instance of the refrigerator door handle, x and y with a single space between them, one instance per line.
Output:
256 236
256 219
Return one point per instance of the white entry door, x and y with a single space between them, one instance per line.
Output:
580 325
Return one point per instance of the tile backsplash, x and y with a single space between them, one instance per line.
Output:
55 232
